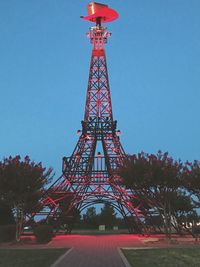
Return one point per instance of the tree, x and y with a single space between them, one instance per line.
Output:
22 183
90 219
155 179
191 180
108 216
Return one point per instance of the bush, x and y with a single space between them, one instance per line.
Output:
7 233
43 233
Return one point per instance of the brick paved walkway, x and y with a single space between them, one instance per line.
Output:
94 250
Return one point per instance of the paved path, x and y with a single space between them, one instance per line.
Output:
94 250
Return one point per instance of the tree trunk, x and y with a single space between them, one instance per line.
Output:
19 223
169 221
166 221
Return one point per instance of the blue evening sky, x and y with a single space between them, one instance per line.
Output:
153 60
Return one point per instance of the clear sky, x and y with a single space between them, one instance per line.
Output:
153 60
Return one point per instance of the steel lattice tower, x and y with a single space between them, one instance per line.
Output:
90 177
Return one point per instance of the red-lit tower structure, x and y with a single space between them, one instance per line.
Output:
90 174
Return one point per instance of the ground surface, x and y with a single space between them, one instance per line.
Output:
29 257
94 250
101 250
165 257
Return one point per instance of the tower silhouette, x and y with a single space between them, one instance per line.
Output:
89 175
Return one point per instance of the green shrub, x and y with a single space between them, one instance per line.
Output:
7 233
43 233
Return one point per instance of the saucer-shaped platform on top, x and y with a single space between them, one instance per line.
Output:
97 10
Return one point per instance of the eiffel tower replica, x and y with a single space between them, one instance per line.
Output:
90 175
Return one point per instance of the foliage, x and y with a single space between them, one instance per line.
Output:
182 203
154 221
43 233
107 216
6 215
162 183
191 180
90 219
65 221
22 182
144 171
7 233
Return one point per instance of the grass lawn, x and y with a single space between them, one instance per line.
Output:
165 257
29 257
